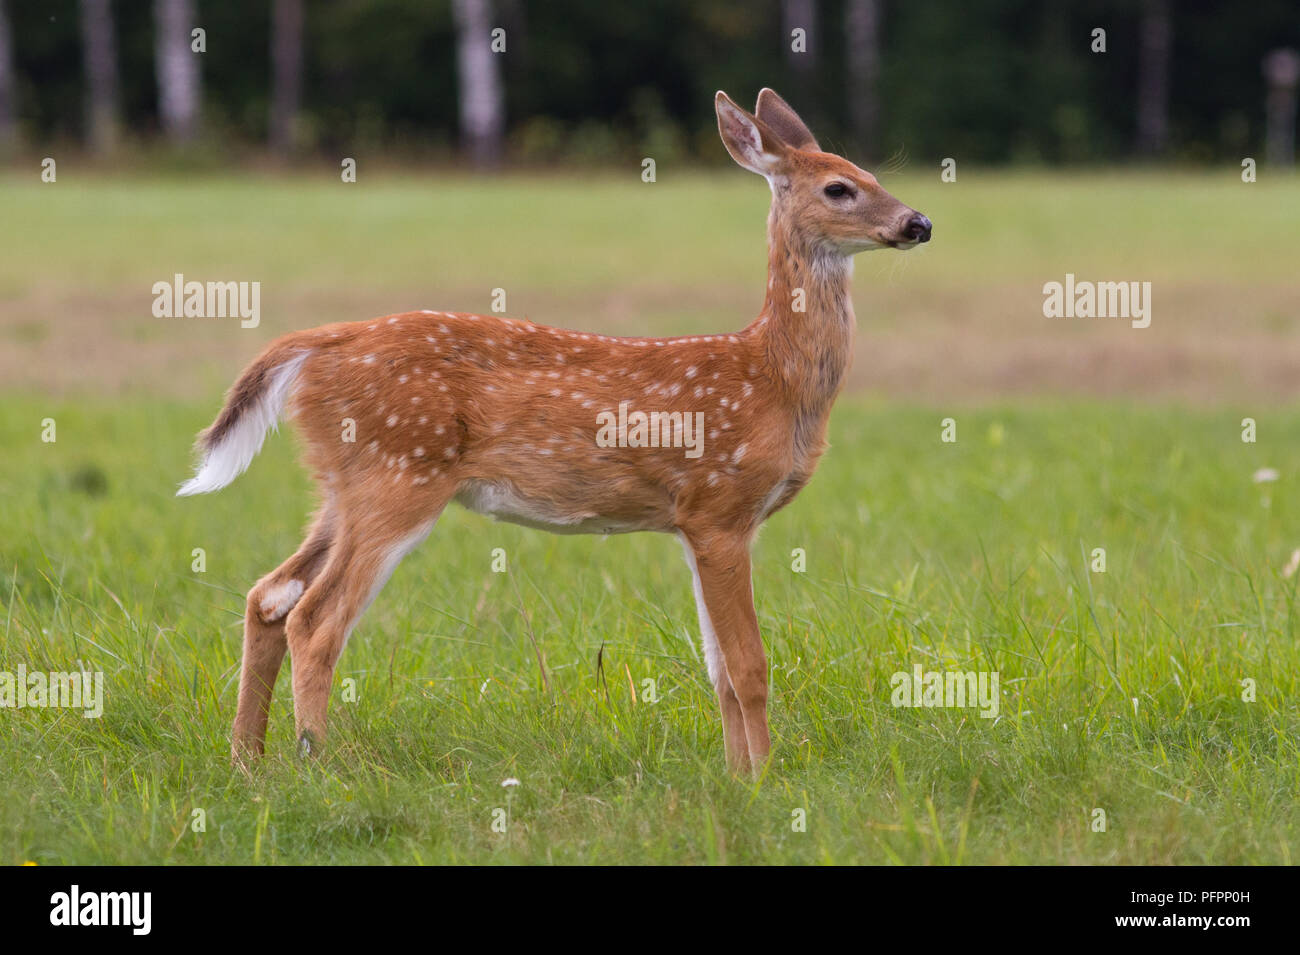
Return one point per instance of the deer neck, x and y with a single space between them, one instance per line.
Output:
807 321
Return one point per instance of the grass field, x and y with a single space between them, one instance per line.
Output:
1122 690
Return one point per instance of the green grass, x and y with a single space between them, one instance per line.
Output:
437 231
1121 690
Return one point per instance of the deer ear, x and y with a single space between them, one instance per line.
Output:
749 140
784 121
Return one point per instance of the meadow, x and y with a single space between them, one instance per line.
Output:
1161 689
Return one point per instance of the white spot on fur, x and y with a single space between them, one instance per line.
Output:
280 600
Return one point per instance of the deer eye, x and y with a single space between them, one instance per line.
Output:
837 190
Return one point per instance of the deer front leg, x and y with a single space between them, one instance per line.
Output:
722 566
733 720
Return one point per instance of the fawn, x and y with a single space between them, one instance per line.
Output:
502 416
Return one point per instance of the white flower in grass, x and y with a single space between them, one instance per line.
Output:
508 783
1266 475
1293 564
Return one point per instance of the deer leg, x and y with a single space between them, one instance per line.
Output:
269 602
723 568
733 721
362 559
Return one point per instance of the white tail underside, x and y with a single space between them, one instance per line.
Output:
232 455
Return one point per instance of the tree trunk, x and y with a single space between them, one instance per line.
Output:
862 50
286 73
802 15
99 53
1282 71
178 69
482 99
1154 47
8 89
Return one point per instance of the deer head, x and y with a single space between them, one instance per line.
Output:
822 201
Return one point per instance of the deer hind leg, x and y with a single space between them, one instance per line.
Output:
733 720
269 603
723 569
371 542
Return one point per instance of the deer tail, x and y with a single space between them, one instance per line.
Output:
253 407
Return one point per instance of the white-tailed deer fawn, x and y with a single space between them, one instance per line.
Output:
703 436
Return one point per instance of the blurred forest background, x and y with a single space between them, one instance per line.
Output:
991 81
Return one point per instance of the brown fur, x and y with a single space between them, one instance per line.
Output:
447 405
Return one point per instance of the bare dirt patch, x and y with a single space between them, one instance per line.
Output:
1206 342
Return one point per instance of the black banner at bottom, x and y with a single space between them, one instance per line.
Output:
1174 905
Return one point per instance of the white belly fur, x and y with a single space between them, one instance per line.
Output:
503 502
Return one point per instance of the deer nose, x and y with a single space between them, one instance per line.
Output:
918 228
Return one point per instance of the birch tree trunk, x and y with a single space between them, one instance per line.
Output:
286 73
482 99
1154 47
1282 71
799 15
99 53
862 49
178 69
801 55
